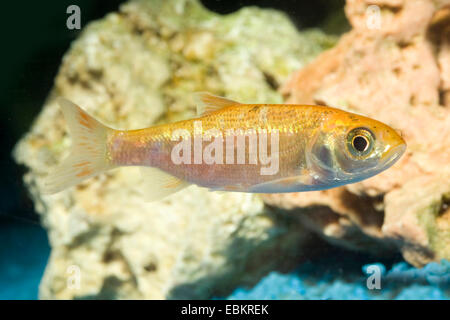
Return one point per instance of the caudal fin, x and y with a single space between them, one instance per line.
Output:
88 156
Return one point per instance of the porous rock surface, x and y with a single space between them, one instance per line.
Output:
134 68
396 70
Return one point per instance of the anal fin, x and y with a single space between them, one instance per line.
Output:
159 184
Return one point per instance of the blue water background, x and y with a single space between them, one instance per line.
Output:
24 252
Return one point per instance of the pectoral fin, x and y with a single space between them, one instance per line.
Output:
159 184
288 184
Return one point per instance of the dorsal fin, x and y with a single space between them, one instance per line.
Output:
207 103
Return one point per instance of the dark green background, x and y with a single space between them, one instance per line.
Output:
34 39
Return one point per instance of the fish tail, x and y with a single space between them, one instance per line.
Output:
89 154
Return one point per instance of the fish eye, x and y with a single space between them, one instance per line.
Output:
360 142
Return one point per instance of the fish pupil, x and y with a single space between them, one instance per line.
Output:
360 143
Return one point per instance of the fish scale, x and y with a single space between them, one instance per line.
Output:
307 147
295 125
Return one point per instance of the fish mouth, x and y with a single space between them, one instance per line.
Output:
393 155
387 161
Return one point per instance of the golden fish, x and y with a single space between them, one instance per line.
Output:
259 148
